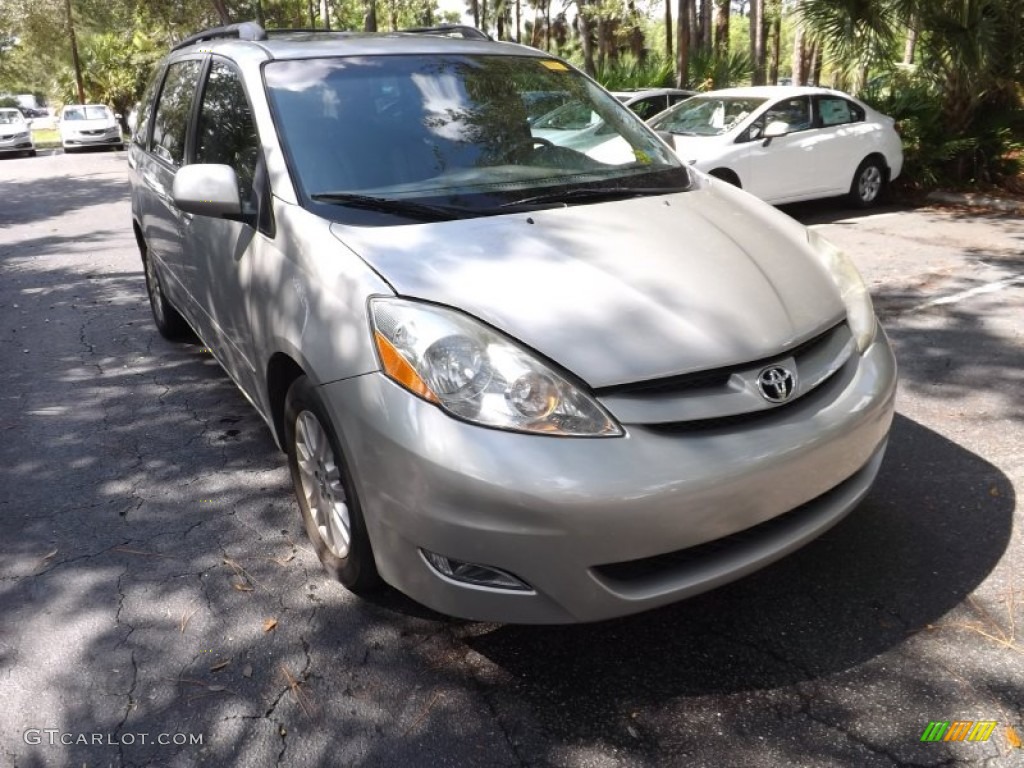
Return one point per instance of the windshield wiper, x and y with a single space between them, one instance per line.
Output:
592 194
390 205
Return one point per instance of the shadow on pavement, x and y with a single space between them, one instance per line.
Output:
26 201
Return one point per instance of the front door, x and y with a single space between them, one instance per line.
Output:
221 249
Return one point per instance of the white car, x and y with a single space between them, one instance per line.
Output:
89 125
576 126
15 134
785 144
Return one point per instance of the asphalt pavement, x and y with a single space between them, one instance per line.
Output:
160 605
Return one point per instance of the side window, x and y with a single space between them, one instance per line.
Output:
141 132
172 111
795 113
225 133
834 111
649 107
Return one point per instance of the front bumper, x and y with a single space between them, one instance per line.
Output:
16 145
92 141
605 527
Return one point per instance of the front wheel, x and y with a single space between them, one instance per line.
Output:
325 491
868 184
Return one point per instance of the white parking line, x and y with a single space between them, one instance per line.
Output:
998 285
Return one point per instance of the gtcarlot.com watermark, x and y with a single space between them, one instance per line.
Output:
55 736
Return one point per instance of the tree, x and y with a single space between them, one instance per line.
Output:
683 16
757 50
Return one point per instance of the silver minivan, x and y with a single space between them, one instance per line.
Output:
514 380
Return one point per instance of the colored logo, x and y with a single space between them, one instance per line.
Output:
959 730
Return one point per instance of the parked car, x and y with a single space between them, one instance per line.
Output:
15 133
89 125
785 144
515 382
648 102
576 125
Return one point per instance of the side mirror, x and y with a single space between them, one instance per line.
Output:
207 190
773 130
133 118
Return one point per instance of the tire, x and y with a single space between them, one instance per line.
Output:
167 319
325 490
869 183
30 153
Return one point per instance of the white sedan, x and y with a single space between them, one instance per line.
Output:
89 125
785 144
15 133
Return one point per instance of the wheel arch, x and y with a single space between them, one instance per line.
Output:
727 175
282 371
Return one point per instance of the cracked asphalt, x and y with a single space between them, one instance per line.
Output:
160 606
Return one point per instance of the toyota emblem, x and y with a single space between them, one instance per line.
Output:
776 384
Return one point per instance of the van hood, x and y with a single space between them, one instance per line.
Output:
622 291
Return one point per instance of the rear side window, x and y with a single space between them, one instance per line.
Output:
145 110
836 111
173 109
225 132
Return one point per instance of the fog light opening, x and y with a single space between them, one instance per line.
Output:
474 573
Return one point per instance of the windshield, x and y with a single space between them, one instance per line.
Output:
8 116
707 115
454 131
86 113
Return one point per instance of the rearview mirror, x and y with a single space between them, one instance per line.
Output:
206 189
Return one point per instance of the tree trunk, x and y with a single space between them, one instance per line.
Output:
312 14
258 7
547 26
75 62
776 39
816 62
722 30
325 13
692 21
911 45
519 21
483 15
757 40
669 55
636 34
370 16
583 25
706 25
218 5
683 42
474 6
799 52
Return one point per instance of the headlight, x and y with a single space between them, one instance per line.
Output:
860 314
478 375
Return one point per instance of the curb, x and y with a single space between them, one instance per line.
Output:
974 200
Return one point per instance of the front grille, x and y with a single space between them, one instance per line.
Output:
729 395
719 376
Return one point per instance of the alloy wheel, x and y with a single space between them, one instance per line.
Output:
322 485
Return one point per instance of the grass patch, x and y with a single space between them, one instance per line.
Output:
46 137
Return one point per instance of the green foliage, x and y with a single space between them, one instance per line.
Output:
709 73
627 72
933 154
9 101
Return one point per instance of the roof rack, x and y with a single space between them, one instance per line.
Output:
244 30
451 30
